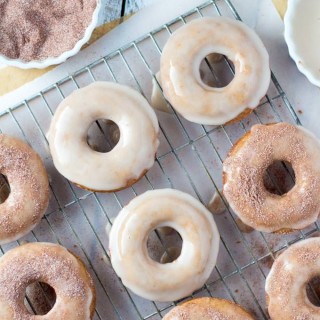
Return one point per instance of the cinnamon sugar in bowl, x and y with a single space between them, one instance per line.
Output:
39 33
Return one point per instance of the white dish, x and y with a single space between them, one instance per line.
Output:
40 64
302 34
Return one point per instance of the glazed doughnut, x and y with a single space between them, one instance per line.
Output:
208 309
128 245
180 75
29 189
246 164
51 264
128 161
287 282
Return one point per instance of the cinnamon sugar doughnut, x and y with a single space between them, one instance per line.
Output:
180 76
208 309
128 161
246 164
51 264
287 282
29 189
128 245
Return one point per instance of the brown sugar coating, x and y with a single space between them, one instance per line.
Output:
51 264
208 309
245 167
286 284
29 189
38 29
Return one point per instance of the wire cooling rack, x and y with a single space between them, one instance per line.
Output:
189 158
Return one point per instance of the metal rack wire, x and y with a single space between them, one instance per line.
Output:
189 158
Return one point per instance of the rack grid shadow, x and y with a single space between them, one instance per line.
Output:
189 159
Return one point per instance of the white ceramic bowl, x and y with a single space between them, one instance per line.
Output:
302 34
40 64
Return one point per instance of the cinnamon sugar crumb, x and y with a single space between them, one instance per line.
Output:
245 169
208 309
29 192
40 263
38 29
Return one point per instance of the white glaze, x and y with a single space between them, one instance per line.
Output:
217 204
128 245
158 101
180 76
287 281
130 158
302 34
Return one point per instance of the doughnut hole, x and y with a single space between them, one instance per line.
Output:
103 135
279 178
216 70
164 245
39 298
4 188
313 291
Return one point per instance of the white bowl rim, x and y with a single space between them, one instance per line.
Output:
41 64
293 49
